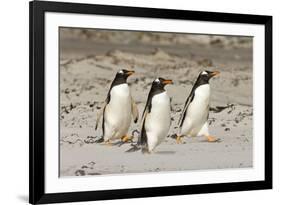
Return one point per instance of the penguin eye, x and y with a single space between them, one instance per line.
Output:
121 71
157 80
204 73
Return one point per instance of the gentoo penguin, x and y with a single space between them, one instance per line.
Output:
118 109
194 117
156 116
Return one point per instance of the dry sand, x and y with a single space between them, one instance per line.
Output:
87 67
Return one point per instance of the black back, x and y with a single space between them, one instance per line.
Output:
157 87
202 79
120 78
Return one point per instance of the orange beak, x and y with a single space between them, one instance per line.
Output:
165 82
130 72
215 73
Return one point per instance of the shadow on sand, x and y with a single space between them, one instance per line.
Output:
165 152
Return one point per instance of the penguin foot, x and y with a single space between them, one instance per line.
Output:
108 143
212 139
178 139
126 138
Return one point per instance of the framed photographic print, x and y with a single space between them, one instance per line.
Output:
130 102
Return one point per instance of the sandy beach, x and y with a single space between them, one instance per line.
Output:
89 61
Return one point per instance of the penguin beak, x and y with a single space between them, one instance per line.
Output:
212 74
165 82
130 72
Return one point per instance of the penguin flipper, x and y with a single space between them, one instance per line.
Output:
100 113
135 111
143 136
187 103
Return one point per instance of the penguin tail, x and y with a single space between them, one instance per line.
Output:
100 140
136 146
144 150
173 136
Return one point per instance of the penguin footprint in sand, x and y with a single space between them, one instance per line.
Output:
156 118
118 109
194 117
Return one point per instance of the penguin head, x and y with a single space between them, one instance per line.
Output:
160 83
122 75
206 75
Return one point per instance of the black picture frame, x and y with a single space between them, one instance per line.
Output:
37 9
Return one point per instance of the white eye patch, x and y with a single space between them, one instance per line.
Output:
204 73
121 71
157 80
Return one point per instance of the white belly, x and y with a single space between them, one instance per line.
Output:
118 112
197 112
157 122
